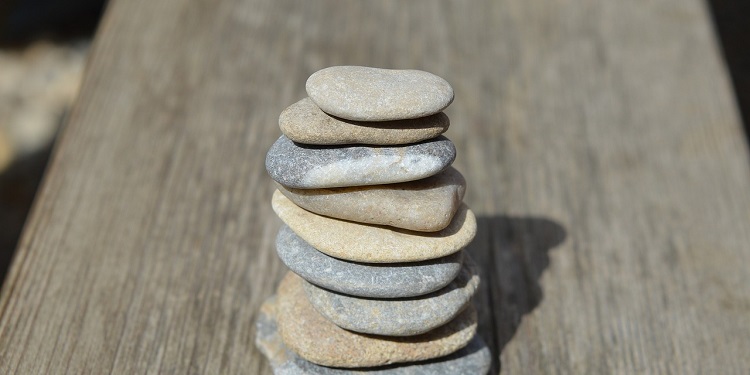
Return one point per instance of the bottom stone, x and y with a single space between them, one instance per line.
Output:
475 358
316 339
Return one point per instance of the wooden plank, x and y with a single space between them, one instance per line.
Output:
600 140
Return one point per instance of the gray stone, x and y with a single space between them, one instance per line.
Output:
397 317
310 167
372 94
425 205
365 279
304 122
475 358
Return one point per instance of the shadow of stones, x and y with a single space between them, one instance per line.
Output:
512 253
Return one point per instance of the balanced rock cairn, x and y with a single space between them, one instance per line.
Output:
374 232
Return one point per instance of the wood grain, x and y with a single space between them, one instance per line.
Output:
600 141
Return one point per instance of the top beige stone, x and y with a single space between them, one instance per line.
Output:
304 122
375 244
372 94
314 338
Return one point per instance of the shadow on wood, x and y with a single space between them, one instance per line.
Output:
513 253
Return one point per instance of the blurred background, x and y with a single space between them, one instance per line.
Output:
43 50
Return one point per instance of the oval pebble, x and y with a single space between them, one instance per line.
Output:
425 205
315 339
363 279
371 94
475 358
304 122
371 243
397 317
310 167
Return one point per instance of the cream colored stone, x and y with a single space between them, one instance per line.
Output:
375 244
426 205
317 340
304 122
362 93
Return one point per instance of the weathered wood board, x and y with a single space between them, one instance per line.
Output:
600 140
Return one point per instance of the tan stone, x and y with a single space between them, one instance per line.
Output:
317 340
426 205
304 122
371 94
371 243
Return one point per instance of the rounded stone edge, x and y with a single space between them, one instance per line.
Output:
378 133
472 281
392 219
469 226
305 174
381 292
283 361
337 111
462 329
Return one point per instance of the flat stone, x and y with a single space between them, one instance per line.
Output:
475 358
315 339
310 167
397 317
371 243
304 122
425 205
363 279
371 94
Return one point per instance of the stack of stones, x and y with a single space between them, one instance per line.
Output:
374 232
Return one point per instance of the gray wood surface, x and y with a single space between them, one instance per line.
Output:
600 140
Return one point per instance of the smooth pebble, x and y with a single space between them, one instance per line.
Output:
304 122
475 358
425 205
372 94
397 317
365 279
309 167
371 243
315 339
